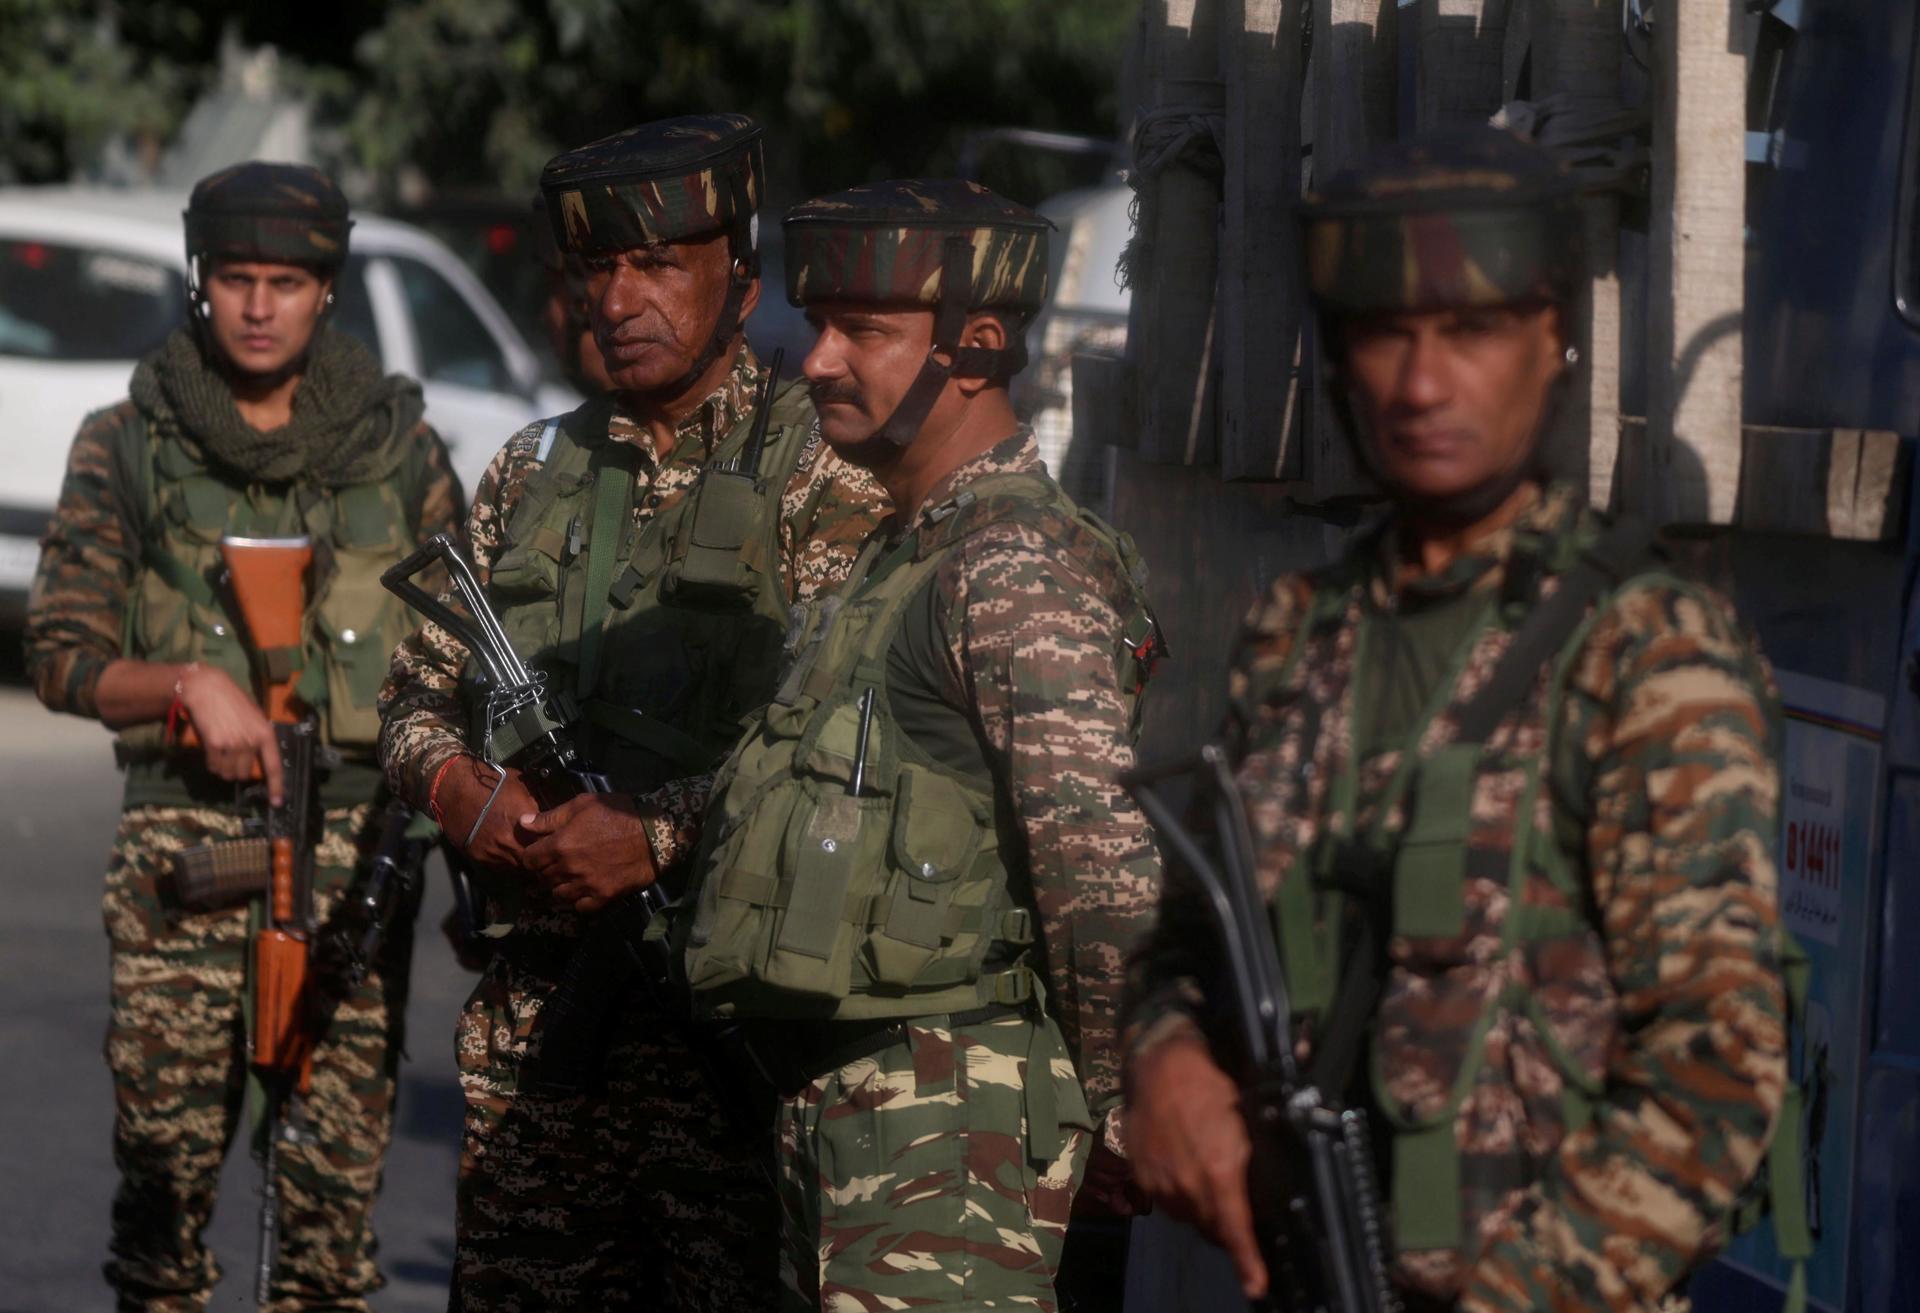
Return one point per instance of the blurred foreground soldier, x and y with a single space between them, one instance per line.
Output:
259 420
564 313
1526 908
662 611
920 877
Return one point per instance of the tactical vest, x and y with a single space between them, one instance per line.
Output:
1485 906
178 612
895 897
663 636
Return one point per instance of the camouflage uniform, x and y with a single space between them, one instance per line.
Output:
176 1043
637 1195
570 1201
930 1149
1578 1052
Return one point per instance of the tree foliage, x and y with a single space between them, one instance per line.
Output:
482 92
462 94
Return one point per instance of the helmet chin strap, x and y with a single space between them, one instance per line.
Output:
949 320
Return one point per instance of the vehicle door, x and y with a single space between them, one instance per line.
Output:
479 389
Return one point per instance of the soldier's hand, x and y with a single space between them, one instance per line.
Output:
236 736
590 849
463 791
1188 1145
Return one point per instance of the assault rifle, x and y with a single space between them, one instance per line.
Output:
267 576
1311 1180
615 947
393 883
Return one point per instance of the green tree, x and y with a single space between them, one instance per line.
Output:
482 92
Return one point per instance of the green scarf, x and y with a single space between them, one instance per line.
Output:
350 421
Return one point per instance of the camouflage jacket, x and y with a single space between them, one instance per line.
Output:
1656 996
423 715
90 562
1029 640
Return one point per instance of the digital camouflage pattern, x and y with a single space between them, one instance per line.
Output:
885 242
1471 219
906 1178
285 213
658 182
1030 643
552 1191
1665 1003
175 1044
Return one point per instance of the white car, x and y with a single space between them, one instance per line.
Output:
90 280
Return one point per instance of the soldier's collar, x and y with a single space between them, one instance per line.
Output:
1513 558
1016 453
696 434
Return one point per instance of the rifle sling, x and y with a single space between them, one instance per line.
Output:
1619 553
612 510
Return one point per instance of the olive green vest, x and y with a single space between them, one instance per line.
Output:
177 612
902 898
663 636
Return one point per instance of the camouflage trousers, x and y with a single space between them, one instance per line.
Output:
176 1046
914 1176
633 1196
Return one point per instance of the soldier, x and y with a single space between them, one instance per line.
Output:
259 418
665 612
1541 892
920 875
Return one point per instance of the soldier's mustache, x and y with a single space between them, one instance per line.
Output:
838 392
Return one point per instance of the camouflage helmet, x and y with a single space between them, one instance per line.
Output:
282 213
659 182
887 242
1471 218
666 181
945 244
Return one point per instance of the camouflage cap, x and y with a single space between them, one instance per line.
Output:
284 213
1465 219
886 242
659 182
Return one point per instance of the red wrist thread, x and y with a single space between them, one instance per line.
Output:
433 790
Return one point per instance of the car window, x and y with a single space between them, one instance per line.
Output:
455 347
352 308
62 302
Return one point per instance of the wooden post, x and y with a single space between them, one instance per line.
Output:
1696 267
1260 301
1173 329
1576 51
1458 76
1353 81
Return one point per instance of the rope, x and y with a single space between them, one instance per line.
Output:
1189 135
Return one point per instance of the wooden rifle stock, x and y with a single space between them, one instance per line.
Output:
268 577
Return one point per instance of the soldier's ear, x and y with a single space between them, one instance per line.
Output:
985 331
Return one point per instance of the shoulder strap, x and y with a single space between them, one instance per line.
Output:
131 475
612 505
1623 551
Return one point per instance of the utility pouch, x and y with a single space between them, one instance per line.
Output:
706 564
828 855
933 839
1430 869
